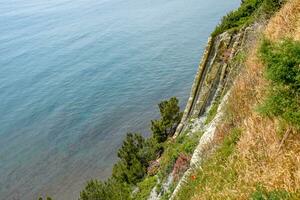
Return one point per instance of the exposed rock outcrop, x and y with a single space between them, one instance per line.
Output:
213 74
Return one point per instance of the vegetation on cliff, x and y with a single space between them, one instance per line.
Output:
170 117
135 157
247 13
259 140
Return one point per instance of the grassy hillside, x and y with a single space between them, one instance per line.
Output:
259 150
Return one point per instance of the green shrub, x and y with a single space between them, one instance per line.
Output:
246 14
271 6
262 194
282 61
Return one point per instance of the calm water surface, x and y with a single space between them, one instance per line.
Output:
76 75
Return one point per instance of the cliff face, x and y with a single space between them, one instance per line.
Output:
216 73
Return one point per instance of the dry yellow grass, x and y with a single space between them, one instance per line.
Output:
265 157
247 90
286 23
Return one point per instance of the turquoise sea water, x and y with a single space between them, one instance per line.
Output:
75 76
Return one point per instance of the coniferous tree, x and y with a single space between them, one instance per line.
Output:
170 118
109 190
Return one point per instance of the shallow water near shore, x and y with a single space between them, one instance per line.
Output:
76 76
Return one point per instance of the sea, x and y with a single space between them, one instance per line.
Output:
77 75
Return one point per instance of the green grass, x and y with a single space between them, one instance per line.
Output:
282 61
262 194
215 171
173 148
212 112
145 188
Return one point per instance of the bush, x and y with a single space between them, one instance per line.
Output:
271 6
282 61
246 14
